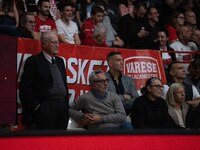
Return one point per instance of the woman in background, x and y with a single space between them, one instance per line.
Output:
185 115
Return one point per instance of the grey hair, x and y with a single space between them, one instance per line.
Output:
170 93
99 29
93 75
46 36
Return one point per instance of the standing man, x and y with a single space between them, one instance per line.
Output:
99 109
67 29
118 82
43 87
43 22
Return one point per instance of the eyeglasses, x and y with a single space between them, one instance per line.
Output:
158 86
102 81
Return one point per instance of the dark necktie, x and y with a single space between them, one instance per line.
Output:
53 61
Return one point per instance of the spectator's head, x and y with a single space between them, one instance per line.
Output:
176 94
50 43
196 37
153 88
140 9
194 69
66 11
177 72
152 14
44 7
162 37
177 19
27 21
184 34
97 14
190 18
187 5
99 33
115 61
98 81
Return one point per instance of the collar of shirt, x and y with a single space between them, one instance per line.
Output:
47 56
97 95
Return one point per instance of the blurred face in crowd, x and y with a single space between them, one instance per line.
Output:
194 71
196 36
30 23
141 12
179 95
155 89
100 84
185 33
161 38
180 19
116 63
154 15
178 71
190 17
67 13
98 17
45 8
50 43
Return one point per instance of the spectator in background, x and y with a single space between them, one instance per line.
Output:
196 9
88 26
150 111
112 39
193 76
196 38
27 5
43 22
190 19
99 109
98 38
131 26
176 20
184 115
9 15
184 44
177 74
118 82
151 27
43 88
85 10
67 29
26 25
162 45
125 7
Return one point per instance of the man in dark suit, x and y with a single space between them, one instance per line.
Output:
43 87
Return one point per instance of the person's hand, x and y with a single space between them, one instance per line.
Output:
86 119
127 96
194 103
96 119
143 33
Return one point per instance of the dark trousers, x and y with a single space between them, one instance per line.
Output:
52 115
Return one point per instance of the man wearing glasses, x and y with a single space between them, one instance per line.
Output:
99 109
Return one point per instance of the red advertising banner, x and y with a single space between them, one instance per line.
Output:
82 60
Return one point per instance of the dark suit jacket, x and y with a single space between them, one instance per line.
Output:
36 81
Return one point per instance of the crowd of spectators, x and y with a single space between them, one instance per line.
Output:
166 25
